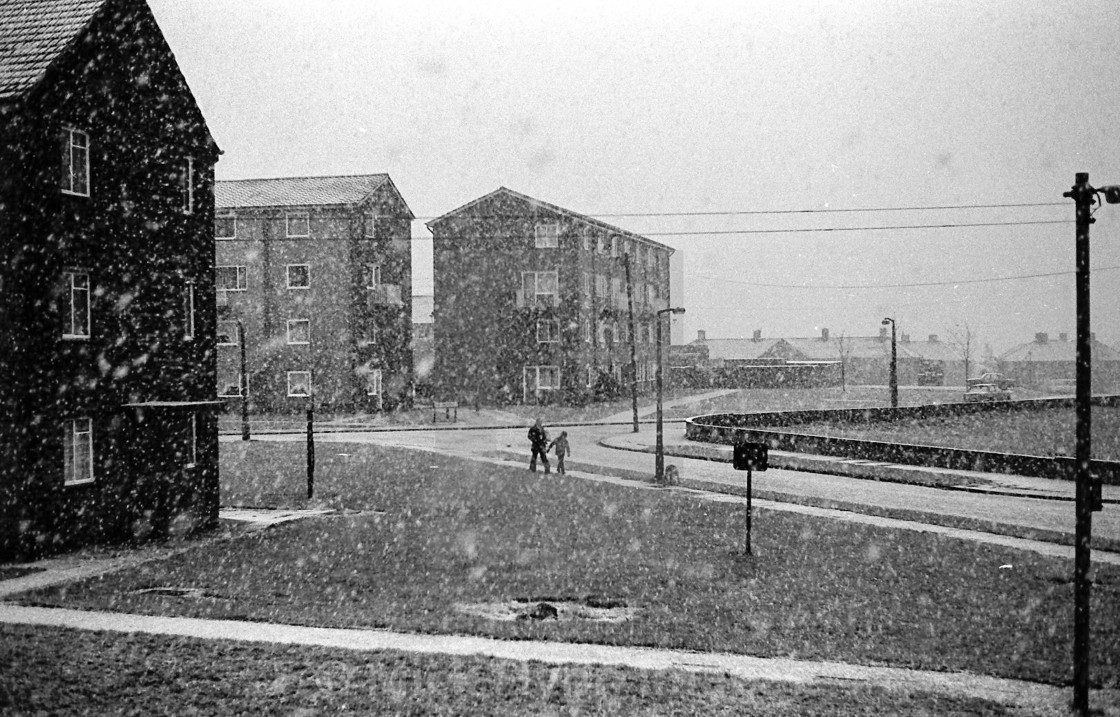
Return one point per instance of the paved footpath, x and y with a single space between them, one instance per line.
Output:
1037 698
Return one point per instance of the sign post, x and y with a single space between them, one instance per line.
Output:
750 457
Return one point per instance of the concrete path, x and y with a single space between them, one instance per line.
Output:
1038 698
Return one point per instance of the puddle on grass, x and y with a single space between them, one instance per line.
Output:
168 591
589 610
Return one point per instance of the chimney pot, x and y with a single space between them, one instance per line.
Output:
1063 337
701 335
824 334
933 338
1041 337
906 338
758 334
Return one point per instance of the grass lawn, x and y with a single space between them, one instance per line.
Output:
48 671
761 400
1043 432
451 532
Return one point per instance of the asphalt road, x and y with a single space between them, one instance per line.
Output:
1033 513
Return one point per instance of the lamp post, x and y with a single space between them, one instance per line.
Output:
894 363
1088 496
659 463
243 378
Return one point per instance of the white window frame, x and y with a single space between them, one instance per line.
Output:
241 279
188 311
551 331
546 235
601 245
305 216
370 229
77 436
288 276
537 293
588 334
234 338
186 186
74 332
307 323
373 276
79 152
291 375
192 446
535 371
591 373
233 222
242 387
614 246
374 380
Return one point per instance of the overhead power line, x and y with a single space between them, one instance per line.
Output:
899 227
895 286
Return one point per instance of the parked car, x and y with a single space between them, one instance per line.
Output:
986 392
997 379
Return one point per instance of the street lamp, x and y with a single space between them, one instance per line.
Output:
1088 496
243 378
659 464
894 363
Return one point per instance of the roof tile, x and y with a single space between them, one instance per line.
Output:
296 191
35 33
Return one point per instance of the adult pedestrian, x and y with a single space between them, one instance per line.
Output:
562 449
538 441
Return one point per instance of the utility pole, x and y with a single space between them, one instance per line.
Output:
633 340
894 362
1086 502
244 379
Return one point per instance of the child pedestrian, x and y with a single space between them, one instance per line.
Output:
562 449
538 441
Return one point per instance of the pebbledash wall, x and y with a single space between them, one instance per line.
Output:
773 429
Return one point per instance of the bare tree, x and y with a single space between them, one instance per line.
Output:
964 339
844 348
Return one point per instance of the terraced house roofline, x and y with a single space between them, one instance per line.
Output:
336 190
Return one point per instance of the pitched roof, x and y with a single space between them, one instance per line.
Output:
736 349
35 33
583 218
1057 351
297 191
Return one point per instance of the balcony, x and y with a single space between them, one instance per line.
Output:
384 295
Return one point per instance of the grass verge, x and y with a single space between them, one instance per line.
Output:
47 670
451 532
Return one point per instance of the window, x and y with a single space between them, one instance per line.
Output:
540 286
587 285
186 185
227 333
77 451
601 244
225 227
373 276
191 455
299 331
542 378
299 276
298 225
548 331
75 162
614 246
587 338
75 308
591 377
547 236
299 383
371 225
229 383
229 278
188 310
373 382
586 241
601 286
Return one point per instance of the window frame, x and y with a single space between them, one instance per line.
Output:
189 311
305 216
71 436
186 186
552 331
373 276
536 370
68 333
307 323
550 238
537 293
192 441
288 276
233 222
234 340
375 377
241 278
242 386
68 187
291 374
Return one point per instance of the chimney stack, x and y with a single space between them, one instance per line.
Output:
824 334
906 338
882 333
1063 337
701 335
933 338
1041 337
758 335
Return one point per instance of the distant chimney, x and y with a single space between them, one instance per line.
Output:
824 334
933 338
1041 337
1063 337
701 335
906 338
758 335
882 333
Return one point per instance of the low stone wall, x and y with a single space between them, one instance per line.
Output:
728 428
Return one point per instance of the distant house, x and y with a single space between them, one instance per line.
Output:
1050 364
107 425
316 272
532 302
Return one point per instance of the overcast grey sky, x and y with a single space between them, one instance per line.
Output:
629 107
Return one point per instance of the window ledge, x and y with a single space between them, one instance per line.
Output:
87 481
75 337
